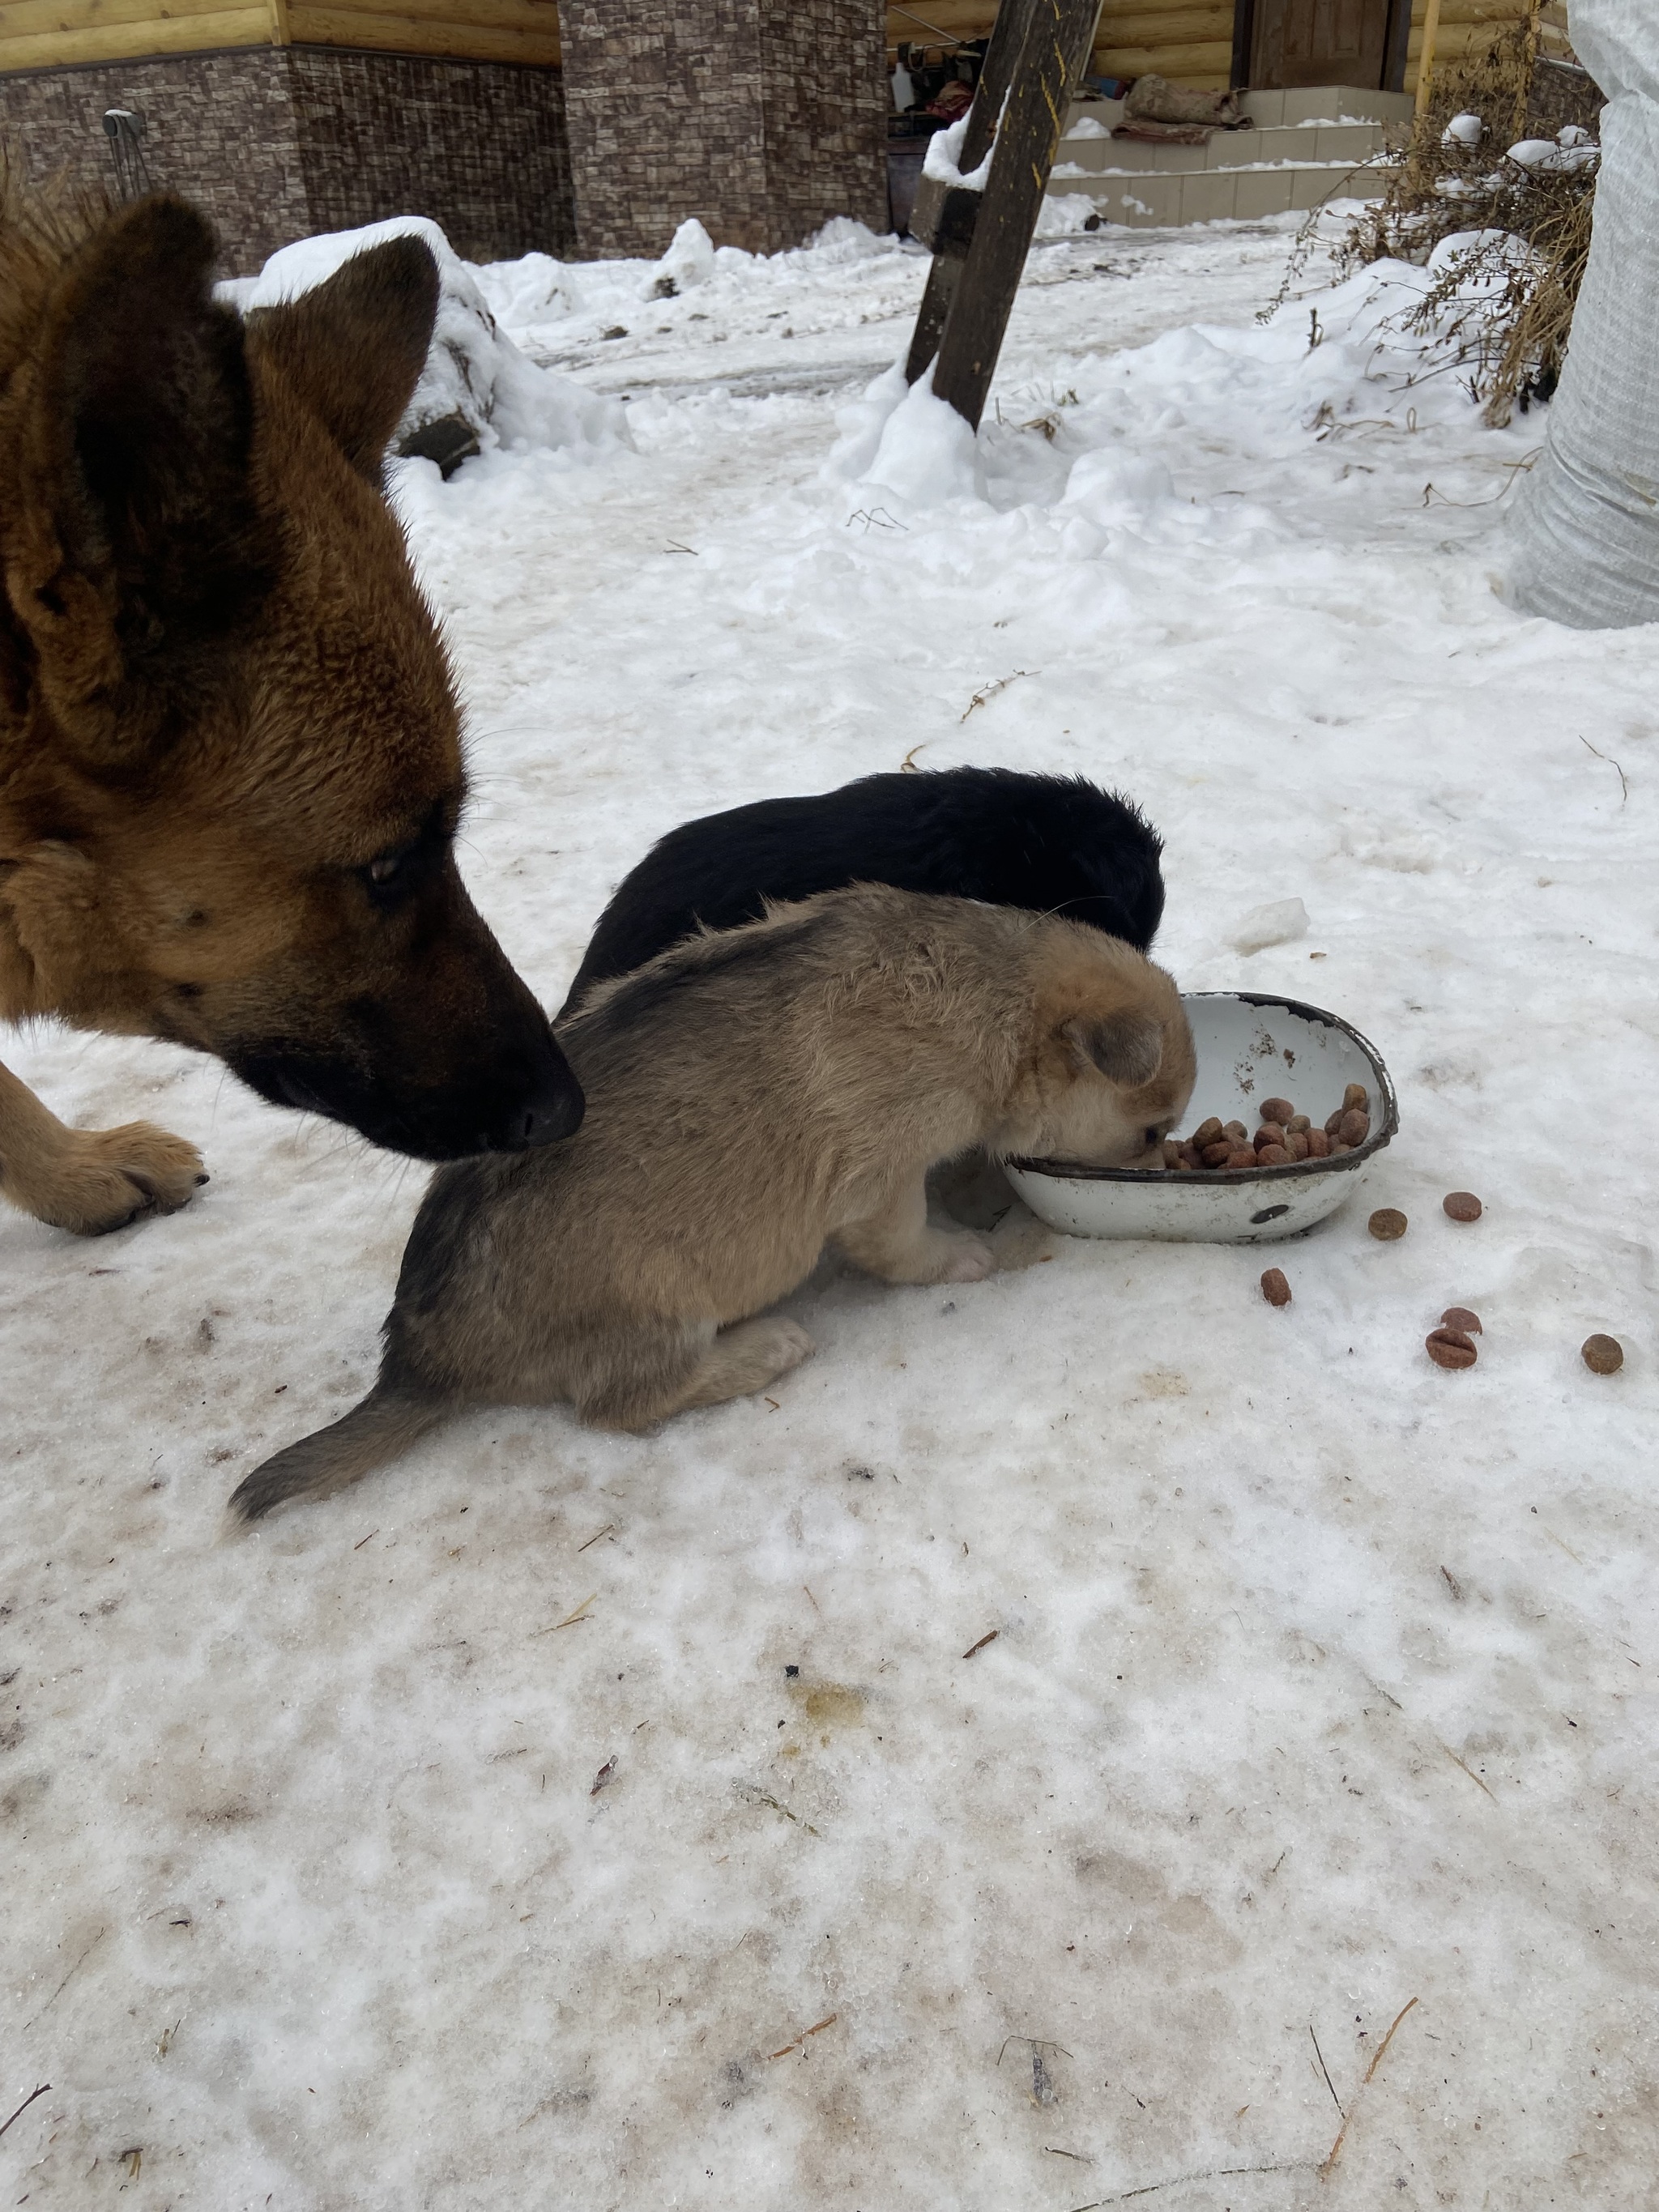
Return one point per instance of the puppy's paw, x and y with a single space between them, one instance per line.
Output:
785 1346
964 1259
106 1178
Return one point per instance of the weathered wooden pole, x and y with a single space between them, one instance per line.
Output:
981 239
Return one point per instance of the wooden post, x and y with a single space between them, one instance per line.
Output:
939 218
963 319
1426 59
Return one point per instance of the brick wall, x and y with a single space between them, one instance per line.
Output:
218 128
478 146
761 118
274 143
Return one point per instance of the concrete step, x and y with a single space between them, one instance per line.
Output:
1302 148
1166 200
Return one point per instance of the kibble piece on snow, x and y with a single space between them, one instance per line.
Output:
1460 1317
1603 1355
1451 1348
1277 1109
1356 1096
1386 1223
1461 1206
1274 1288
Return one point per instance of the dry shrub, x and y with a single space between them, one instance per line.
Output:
1500 306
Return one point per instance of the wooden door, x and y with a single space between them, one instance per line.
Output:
1307 42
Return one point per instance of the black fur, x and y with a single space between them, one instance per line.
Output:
1054 844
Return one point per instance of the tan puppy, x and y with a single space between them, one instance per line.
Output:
752 1094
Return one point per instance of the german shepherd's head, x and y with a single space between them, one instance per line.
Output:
230 760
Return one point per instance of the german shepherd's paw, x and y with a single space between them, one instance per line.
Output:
105 1178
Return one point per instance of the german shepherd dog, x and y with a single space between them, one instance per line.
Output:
1049 843
230 759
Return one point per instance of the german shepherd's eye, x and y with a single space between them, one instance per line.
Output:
389 876
392 875
1151 1136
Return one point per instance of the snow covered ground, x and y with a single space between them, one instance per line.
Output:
1323 1682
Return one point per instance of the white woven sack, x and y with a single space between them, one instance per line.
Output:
1584 543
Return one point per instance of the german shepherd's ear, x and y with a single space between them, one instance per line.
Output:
353 347
1127 1048
138 537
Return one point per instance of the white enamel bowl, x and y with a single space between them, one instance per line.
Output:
1249 1047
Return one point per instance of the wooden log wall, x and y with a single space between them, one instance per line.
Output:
54 34
1191 41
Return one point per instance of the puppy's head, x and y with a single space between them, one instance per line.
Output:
1112 1064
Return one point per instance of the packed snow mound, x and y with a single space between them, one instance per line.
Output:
473 370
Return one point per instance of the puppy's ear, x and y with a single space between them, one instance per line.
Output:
1127 1048
354 346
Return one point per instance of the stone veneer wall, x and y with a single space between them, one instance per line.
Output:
277 142
761 118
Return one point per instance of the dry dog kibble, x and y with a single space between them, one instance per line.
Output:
1274 1288
1461 1206
1284 1138
1460 1317
1451 1348
1603 1355
1386 1223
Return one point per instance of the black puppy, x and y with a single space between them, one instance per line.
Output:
1055 844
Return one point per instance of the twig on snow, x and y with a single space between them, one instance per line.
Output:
989 1637
1208 2173
570 1619
1377 2060
816 2030
1326 2071
1624 780
990 691
24 2106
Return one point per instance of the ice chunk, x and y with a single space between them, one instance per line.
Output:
1280 922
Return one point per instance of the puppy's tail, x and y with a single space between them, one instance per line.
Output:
377 1430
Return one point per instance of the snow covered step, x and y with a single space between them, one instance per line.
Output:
1297 143
1303 147
1162 200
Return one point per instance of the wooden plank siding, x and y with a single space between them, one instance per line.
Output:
55 33
1190 41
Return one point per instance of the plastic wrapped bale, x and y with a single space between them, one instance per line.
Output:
477 390
1584 539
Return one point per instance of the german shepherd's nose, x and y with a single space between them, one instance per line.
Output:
517 1095
444 1055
